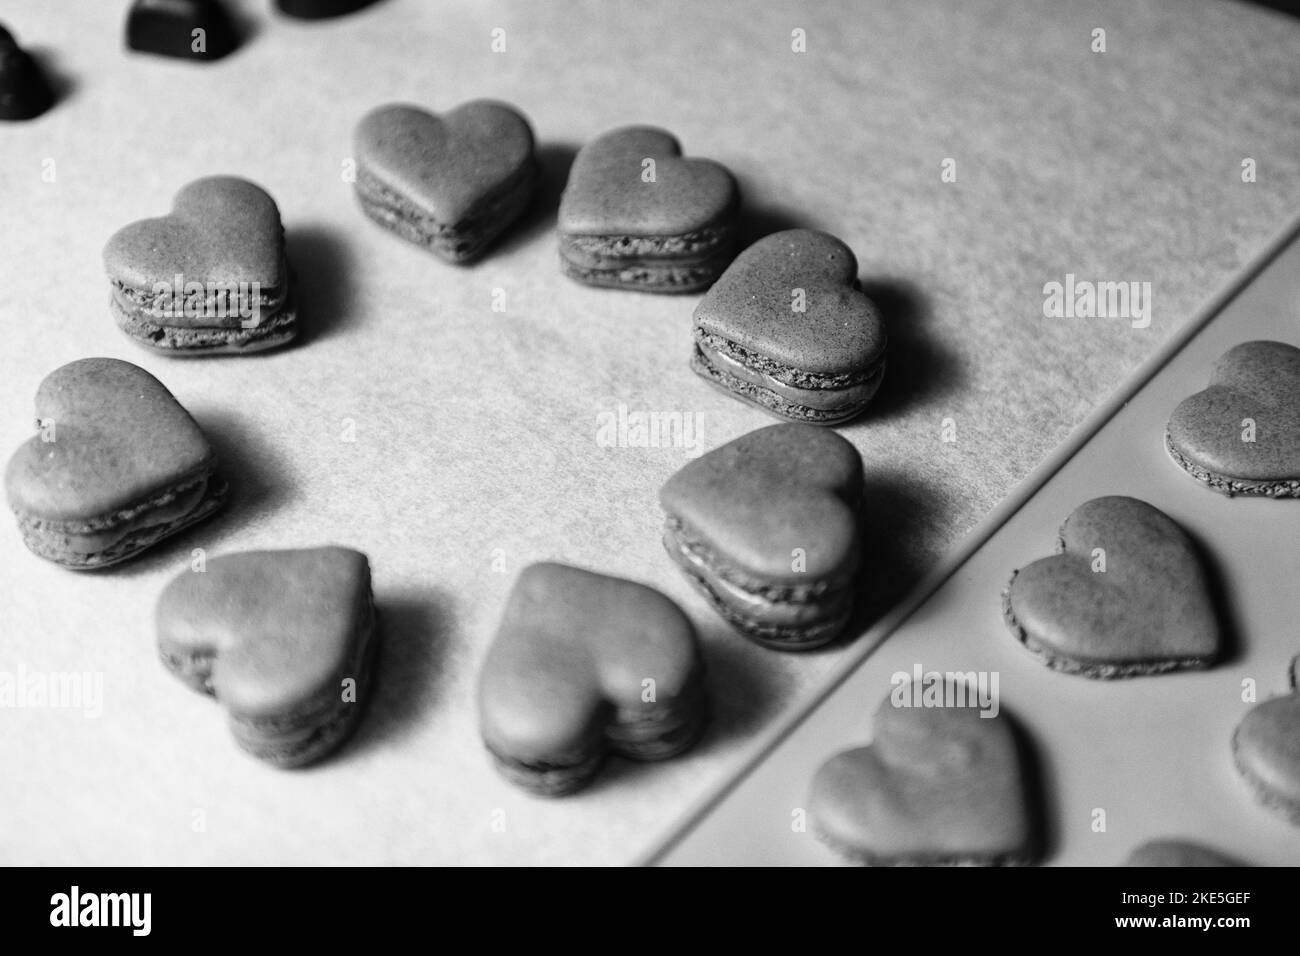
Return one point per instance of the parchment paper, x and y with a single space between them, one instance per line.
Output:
475 431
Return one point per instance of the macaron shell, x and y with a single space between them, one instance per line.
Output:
1259 381
759 497
120 437
221 230
607 196
285 626
1266 747
572 646
752 305
1150 605
446 165
937 784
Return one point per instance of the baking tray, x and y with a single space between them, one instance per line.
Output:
1152 754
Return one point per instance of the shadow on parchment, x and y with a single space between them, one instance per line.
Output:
896 507
919 367
1038 793
62 84
322 265
553 161
413 632
1221 601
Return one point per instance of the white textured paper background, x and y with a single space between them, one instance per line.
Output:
475 430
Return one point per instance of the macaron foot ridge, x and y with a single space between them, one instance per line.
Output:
1097 670
460 242
1224 485
768 399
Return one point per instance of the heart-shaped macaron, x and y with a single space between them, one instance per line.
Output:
1266 750
787 329
450 183
283 639
937 785
1126 596
585 664
1241 435
766 527
636 214
210 276
116 466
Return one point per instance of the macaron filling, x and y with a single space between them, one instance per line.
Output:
782 614
688 261
784 389
269 331
212 305
461 240
98 542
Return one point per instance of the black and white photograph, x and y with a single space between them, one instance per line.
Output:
651 433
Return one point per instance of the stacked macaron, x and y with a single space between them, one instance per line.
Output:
787 329
450 184
210 277
583 666
637 215
766 527
285 640
116 466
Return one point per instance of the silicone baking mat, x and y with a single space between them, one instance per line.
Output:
1120 762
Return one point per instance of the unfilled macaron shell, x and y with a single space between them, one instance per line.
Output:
1241 434
937 785
1266 749
1126 596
